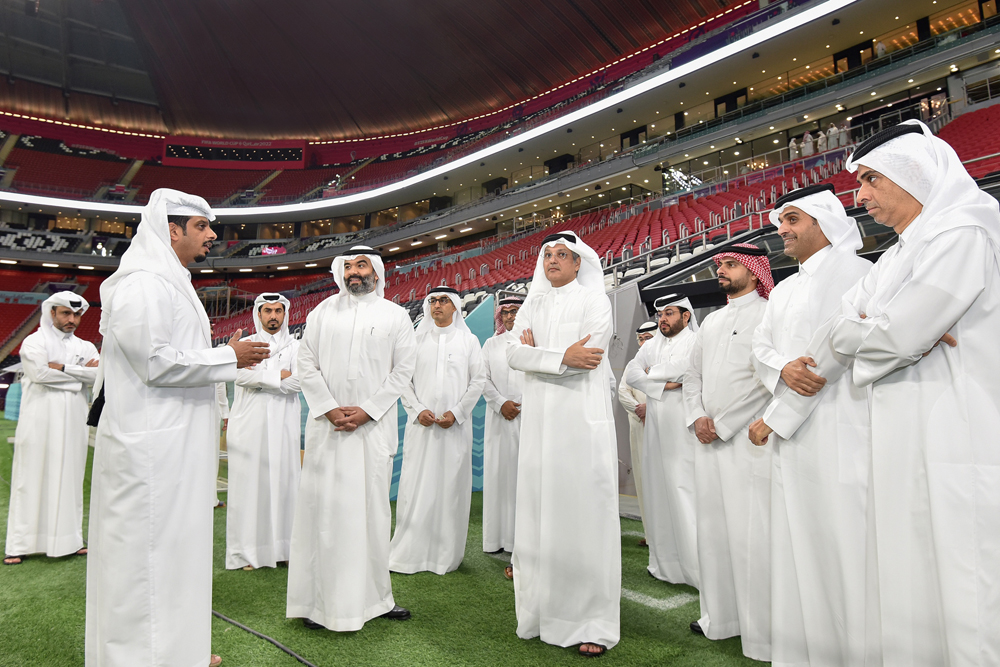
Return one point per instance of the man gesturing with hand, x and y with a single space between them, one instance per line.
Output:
567 575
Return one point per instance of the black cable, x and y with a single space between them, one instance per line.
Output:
265 638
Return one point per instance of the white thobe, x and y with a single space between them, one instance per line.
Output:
500 445
845 137
435 481
807 146
935 461
832 138
567 555
356 351
264 460
630 398
819 475
668 455
149 570
222 400
50 449
732 479
794 152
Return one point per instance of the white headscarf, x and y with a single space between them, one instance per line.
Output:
337 268
281 339
930 170
677 300
427 325
53 337
151 251
591 275
647 327
821 203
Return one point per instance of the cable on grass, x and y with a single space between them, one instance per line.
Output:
265 638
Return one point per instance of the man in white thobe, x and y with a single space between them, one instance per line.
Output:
807 144
668 457
356 358
793 149
149 573
935 408
832 137
222 401
567 554
502 391
263 445
435 481
634 402
722 396
50 442
821 452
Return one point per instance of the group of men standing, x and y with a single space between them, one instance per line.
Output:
812 459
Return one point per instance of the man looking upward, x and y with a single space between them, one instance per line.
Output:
567 555
50 443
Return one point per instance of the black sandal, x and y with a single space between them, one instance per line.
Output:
20 559
589 654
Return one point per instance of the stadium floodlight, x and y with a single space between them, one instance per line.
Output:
767 33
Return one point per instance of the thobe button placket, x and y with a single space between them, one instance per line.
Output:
355 359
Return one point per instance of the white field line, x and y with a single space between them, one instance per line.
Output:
653 603
633 533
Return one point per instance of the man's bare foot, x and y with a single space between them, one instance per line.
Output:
248 568
509 572
592 650
215 661
81 552
13 560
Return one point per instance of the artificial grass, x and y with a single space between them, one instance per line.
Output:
463 618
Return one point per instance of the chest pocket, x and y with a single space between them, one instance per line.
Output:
740 348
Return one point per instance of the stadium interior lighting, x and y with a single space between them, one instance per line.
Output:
50 266
440 236
245 270
281 268
86 268
8 261
311 265
390 250
467 229
417 243
767 33
206 270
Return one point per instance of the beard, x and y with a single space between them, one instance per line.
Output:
734 286
671 330
366 286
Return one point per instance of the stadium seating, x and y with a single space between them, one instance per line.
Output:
41 172
973 136
13 239
294 183
215 185
389 170
14 315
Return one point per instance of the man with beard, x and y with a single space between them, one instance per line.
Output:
355 360
722 396
935 408
567 560
263 444
502 391
50 443
149 572
634 402
668 455
820 462
435 482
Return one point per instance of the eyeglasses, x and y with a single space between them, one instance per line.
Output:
441 300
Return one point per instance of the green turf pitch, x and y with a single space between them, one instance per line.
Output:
463 618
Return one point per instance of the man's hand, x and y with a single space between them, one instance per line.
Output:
510 410
352 419
640 412
800 379
447 420
759 431
93 363
704 429
56 366
426 418
947 339
333 415
670 386
527 338
285 374
248 353
578 356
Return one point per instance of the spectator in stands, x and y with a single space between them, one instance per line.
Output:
50 443
793 150
832 137
722 396
808 146
668 466
355 360
264 445
821 141
435 482
567 560
879 49
149 575
819 485
634 402
935 408
845 134
502 391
